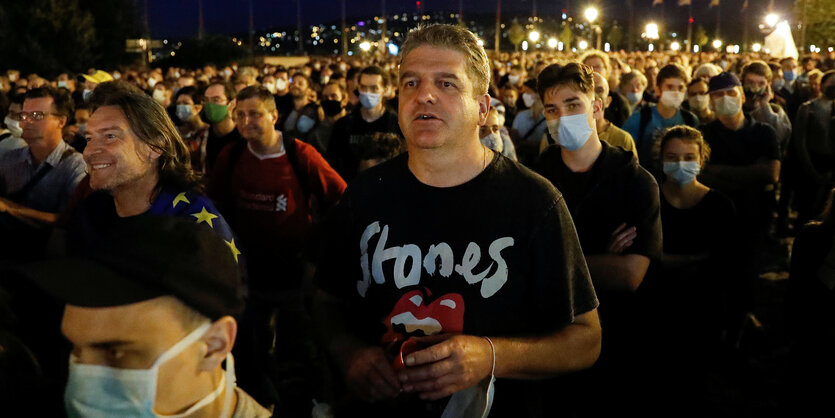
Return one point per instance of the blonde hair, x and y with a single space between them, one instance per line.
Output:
458 39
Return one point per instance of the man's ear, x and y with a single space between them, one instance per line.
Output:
274 114
483 108
219 340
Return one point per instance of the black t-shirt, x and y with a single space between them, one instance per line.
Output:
616 190
744 147
343 152
495 256
215 143
618 111
284 105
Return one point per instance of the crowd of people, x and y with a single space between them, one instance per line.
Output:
258 240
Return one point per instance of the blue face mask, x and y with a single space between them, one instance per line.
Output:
788 75
682 172
369 100
571 132
185 112
305 124
95 391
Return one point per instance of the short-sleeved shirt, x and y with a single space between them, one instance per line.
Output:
495 256
53 191
530 128
343 148
646 140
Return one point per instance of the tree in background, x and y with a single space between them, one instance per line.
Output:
516 34
818 17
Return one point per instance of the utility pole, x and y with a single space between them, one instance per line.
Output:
299 26
498 36
690 29
344 32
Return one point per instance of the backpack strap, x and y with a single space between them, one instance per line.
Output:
293 157
21 193
689 118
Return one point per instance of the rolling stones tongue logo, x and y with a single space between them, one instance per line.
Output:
412 316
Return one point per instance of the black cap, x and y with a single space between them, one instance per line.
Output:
148 257
722 81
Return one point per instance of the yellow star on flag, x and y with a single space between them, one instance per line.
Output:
204 216
234 249
180 198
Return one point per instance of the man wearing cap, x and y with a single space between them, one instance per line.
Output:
151 313
90 83
744 164
38 180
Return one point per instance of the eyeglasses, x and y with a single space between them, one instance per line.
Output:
33 116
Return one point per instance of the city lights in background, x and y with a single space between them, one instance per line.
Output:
533 36
552 43
591 14
717 43
756 47
772 19
675 46
583 44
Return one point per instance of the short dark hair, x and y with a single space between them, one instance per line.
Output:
228 88
685 133
382 145
756 67
672 71
376 70
826 76
257 92
573 74
61 99
195 93
151 125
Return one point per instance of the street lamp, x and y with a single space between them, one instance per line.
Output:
717 44
675 46
552 43
771 19
583 44
756 47
365 46
533 36
651 33
591 15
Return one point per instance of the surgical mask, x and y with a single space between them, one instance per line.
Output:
62 83
529 99
727 106
82 128
699 102
152 82
369 100
95 391
778 84
185 112
117 76
13 126
176 74
634 97
159 96
571 132
215 113
85 95
270 87
672 98
324 79
331 107
305 124
280 84
513 79
493 141
682 172
788 75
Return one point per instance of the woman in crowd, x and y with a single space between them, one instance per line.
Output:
193 129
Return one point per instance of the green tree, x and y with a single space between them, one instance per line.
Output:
516 34
216 49
566 36
700 37
819 22
615 37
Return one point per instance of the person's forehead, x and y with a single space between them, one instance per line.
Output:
558 94
754 78
110 116
185 98
215 90
427 58
672 81
39 103
151 322
331 89
370 79
251 104
681 146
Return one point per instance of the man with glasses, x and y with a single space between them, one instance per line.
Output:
219 99
37 181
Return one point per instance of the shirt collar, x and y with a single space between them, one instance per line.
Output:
54 157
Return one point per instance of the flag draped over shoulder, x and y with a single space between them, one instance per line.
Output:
197 208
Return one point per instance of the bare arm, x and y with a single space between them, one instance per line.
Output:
27 214
617 271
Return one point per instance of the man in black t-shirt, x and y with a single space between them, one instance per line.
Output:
744 164
372 117
219 97
615 206
458 250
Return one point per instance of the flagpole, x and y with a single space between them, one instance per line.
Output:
498 25
690 28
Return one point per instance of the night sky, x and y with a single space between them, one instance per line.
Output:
179 18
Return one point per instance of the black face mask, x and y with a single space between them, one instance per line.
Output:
829 92
331 107
357 92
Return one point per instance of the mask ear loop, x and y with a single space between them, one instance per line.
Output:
231 383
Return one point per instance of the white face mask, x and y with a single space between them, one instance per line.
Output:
280 84
324 79
672 98
152 82
571 132
270 87
185 112
159 96
85 95
100 391
82 128
13 126
529 99
513 79
62 83
699 102
634 97
369 100
727 106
